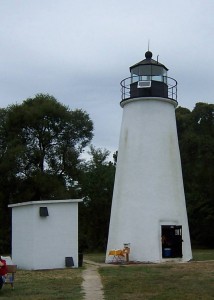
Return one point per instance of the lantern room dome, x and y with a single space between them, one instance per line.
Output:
148 61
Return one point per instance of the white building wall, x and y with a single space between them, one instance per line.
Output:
148 190
22 236
44 242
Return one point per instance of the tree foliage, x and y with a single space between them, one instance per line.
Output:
40 145
97 187
196 140
44 140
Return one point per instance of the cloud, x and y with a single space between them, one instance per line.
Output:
79 51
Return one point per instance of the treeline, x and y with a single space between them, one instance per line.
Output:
196 141
41 145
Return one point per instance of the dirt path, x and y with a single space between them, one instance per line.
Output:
92 285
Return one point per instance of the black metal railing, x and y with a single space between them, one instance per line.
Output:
170 83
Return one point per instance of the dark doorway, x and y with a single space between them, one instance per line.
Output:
171 236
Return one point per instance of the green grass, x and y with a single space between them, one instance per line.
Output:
159 282
96 257
194 280
203 254
49 284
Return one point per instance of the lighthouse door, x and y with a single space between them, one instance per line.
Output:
171 241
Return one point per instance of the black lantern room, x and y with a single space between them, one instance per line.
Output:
149 79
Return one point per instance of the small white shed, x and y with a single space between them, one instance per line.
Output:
45 234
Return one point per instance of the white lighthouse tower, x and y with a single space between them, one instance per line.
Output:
148 207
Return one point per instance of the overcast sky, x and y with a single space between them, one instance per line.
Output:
79 51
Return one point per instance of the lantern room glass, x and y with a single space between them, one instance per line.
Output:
149 72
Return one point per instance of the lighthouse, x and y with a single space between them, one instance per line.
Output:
148 207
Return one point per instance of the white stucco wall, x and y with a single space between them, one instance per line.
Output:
148 190
44 242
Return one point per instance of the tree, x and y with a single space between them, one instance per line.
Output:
44 142
97 187
196 140
40 145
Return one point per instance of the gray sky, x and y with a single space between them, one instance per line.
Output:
79 51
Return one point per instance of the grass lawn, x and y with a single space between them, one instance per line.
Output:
96 257
48 284
187 281
184 281
203 254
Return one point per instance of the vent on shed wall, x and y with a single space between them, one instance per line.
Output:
43 212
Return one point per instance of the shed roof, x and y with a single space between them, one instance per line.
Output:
41 202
